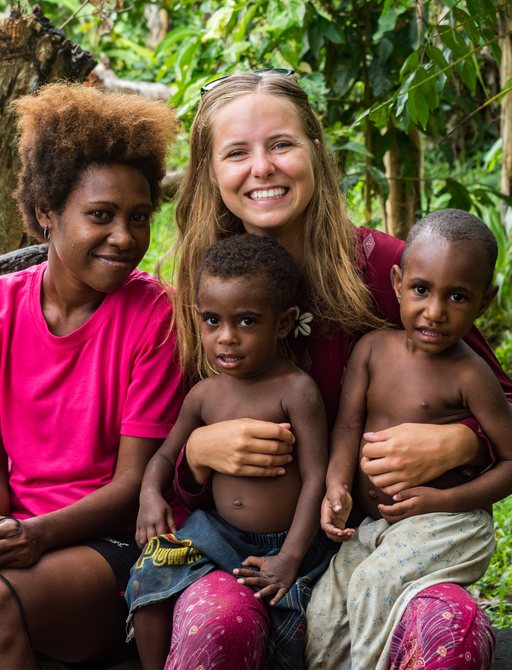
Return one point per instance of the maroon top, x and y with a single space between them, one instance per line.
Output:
324 356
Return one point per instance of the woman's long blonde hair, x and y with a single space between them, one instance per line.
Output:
335 290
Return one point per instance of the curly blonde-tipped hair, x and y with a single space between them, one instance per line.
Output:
65 128
334 288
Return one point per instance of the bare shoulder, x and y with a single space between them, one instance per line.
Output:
298 385
200 391
472 367
376 339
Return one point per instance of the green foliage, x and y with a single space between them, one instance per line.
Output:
368 70
162 240
494 590
372 77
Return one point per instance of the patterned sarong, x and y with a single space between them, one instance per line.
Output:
363 594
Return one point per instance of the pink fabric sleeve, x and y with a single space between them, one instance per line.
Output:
156 389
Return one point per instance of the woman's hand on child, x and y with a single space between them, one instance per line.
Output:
411 502
21 542
154 518
411 454
336 507
274 575
242 447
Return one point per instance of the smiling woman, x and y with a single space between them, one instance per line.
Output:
99 237
263 166
86 355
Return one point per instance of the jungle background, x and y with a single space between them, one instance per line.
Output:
415 97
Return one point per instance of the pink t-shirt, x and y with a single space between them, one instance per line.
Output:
65 401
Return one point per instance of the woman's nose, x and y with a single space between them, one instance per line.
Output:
121 235
262 165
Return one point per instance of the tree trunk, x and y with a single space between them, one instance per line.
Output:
404 166
506 105
32 52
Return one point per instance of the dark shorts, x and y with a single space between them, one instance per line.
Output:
120 552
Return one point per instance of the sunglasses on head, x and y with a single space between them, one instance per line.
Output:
283 71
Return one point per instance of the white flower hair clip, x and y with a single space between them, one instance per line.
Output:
302 326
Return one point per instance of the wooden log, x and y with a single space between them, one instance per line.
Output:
32 52
102 76
23 258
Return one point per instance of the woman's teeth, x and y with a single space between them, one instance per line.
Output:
267 193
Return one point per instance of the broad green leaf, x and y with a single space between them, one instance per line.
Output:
322 10
282 16
482 7
217 24
175 36
184 61
436 55
385 48
291 51
418 98
142 52
380 115
467 72
127 56
233 51
316 40
453 41
333 33
459 194
494 155
387 22
244 20
410 64
344 76
355 147
474 7
418 107
401 98
72 5
466 23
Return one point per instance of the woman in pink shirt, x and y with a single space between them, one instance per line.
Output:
258 164
90 386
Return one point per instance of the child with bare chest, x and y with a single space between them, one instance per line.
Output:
426 373
264 530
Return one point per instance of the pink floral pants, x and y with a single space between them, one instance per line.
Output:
219 624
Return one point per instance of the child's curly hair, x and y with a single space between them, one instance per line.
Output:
262 259
65 128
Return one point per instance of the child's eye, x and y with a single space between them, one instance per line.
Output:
247 321
457 297
420 290
210 320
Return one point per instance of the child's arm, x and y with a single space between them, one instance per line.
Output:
155 515
276 574
487 403
344 443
